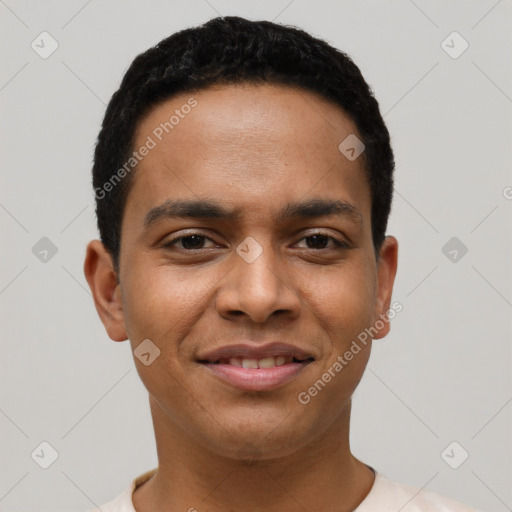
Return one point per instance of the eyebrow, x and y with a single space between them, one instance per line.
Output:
308 209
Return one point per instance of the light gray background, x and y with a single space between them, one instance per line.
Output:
444 372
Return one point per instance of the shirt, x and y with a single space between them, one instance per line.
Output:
384 496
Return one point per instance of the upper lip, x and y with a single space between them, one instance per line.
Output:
252 351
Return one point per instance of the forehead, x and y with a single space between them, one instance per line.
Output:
251 145
225 117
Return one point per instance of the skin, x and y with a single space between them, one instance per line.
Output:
255 147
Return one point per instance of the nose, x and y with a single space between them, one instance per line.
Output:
258 289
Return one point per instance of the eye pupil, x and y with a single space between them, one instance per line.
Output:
197 241
316 239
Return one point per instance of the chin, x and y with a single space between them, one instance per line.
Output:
259 440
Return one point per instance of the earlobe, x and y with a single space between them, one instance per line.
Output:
102 279
386 272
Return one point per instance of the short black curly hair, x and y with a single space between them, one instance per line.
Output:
234 50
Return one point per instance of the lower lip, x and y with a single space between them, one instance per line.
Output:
257 379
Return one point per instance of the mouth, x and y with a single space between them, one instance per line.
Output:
255 364
250 368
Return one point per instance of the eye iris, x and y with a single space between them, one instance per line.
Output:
316 238
317 241
197 240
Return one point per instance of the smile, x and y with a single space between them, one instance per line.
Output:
267 362
256 378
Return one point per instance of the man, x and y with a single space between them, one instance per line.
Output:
243 178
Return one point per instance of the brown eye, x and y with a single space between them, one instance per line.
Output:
320 241
191 242
317 241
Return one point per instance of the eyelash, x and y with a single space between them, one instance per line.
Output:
338 244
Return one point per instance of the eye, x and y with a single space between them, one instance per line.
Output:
190 242
196 241
320 240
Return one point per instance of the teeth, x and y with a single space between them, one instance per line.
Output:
249 363
280 360
267 362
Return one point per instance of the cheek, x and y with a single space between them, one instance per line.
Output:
164 305
344 310
342 300
358 299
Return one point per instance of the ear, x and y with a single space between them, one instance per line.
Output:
386 271
106 291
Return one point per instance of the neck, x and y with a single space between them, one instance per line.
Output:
323 475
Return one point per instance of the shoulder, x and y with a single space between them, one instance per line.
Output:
388 495
124 502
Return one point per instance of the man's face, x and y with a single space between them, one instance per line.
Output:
309 282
